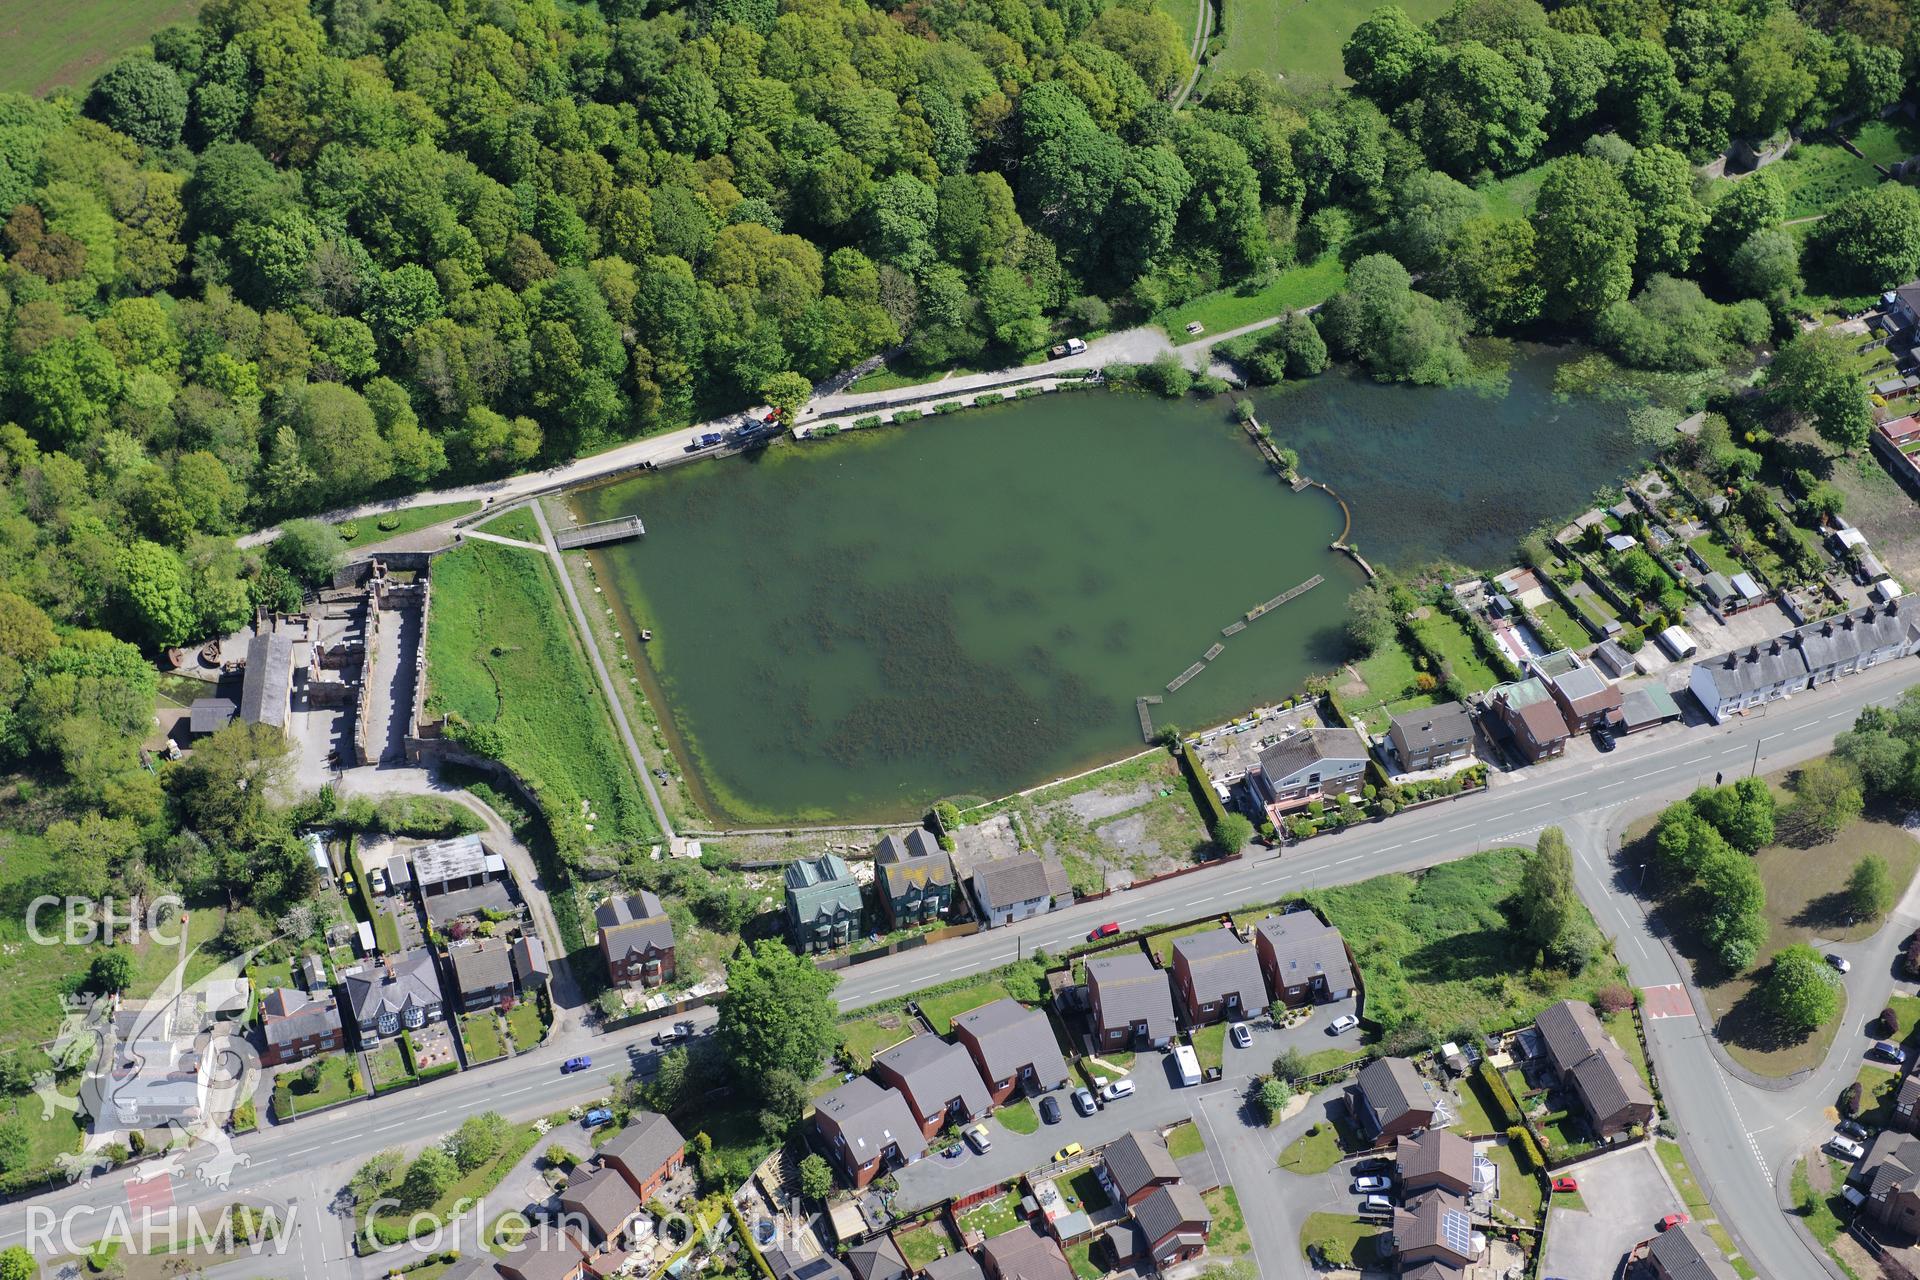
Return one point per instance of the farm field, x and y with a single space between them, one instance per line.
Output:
45 46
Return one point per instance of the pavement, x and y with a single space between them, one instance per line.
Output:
1739 1138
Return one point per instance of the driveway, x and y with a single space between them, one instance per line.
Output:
1626 1193
1270 1041
1276 1201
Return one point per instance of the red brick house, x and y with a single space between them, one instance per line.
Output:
1136 1165
1216 976
1012 1047
636 939
648 1152
298 1024
868 1130
1176 1223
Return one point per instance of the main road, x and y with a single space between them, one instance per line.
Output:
1589 798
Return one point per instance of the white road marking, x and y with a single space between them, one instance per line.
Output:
1452 830
1770 737
1387 848
1165 911
889 987
1434 836
1611 785
383 1128
1530 808
1344 861
1202 901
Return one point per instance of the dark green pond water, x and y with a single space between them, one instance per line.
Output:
853 628
1432 472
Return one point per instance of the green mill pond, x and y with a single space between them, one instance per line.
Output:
855 627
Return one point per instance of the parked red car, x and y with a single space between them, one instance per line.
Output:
1565 1184
1673 1220
1106 930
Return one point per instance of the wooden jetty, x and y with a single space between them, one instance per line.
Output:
1173 685
1235 629
1146 717
1214 652
600 532
1261 609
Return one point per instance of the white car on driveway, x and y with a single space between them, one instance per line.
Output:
1117 1090
1371 1182
1345 1022
1845 1147
1242 1035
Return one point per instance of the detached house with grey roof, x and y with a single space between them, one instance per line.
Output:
1312 764
636 939
938 1080
1890 1176
868 1130
1431 737
266 686
1175 1222
1136 1164
482 973
1129 1002
1596 1070
399 993
1389 1099
1017 888
1217 977
913 878
1012 1047
823 903
1687 1252
1303 958
297 1024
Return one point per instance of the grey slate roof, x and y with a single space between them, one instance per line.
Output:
205 715
415 984
1580 1046
1025 1254
481 966
1689 1253
1220 964
1005 881
872 1118
898 877
1139 1159
1304 945
265 683
891 848
471 1269
544 1253
821 886
645 1145
934 1073
1429 727
1308 747
601 1196
530 959
1011 1036
287 1015
1393 1088
633 922
1132 990
1433 1218
1435 1152
788 1265
1161 1213
877 1259
959 1265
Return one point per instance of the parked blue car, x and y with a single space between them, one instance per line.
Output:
1891 1052
596 1117
572 1065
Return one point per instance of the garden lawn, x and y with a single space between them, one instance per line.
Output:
516 523
1448 640
1363 1240
1437 946
1389 675
480 1033
1691 1193
502 654
468 1187
1561 629
923 1244
993 1217
1877 1089
1019 1117
1475 1115
1080 1258
1621 1027
49 45
1225 309
1229 1238
1186 1141
942 1009
865 1037
1519 1192
1314 1151
1085 1191
387 1066
1299 40
1906 1010
524 1025
335 1084
1708 548
1210 1045
370 530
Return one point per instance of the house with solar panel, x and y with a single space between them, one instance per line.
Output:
1433 1236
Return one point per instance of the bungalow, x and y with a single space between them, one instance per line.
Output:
1529 713
602 1202
1012 1047
297 1024
1175 1222
545 1253
648 1152
1589 1063
913 878
1436 1158
1804 657
1303 958
1389 1099
1687 1252
402 992
937 1079
1025 1254
1433 1226
1129 1002
1890 1173
823 903
636 939
1432 737
1016 888
482 973
868 1130
1312 764
1217 977
1135 1165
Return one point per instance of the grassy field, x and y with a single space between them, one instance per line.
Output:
1887 141
42 47
1436 946
1512 196
517 523
1224 309
370 531
864 1037
32 978
1819 176
1448 640
1878 1085
502 654
1300 40
1804 880
942 1009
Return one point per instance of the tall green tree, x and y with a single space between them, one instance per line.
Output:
1812 378
1585 237
1801 991
779 1014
